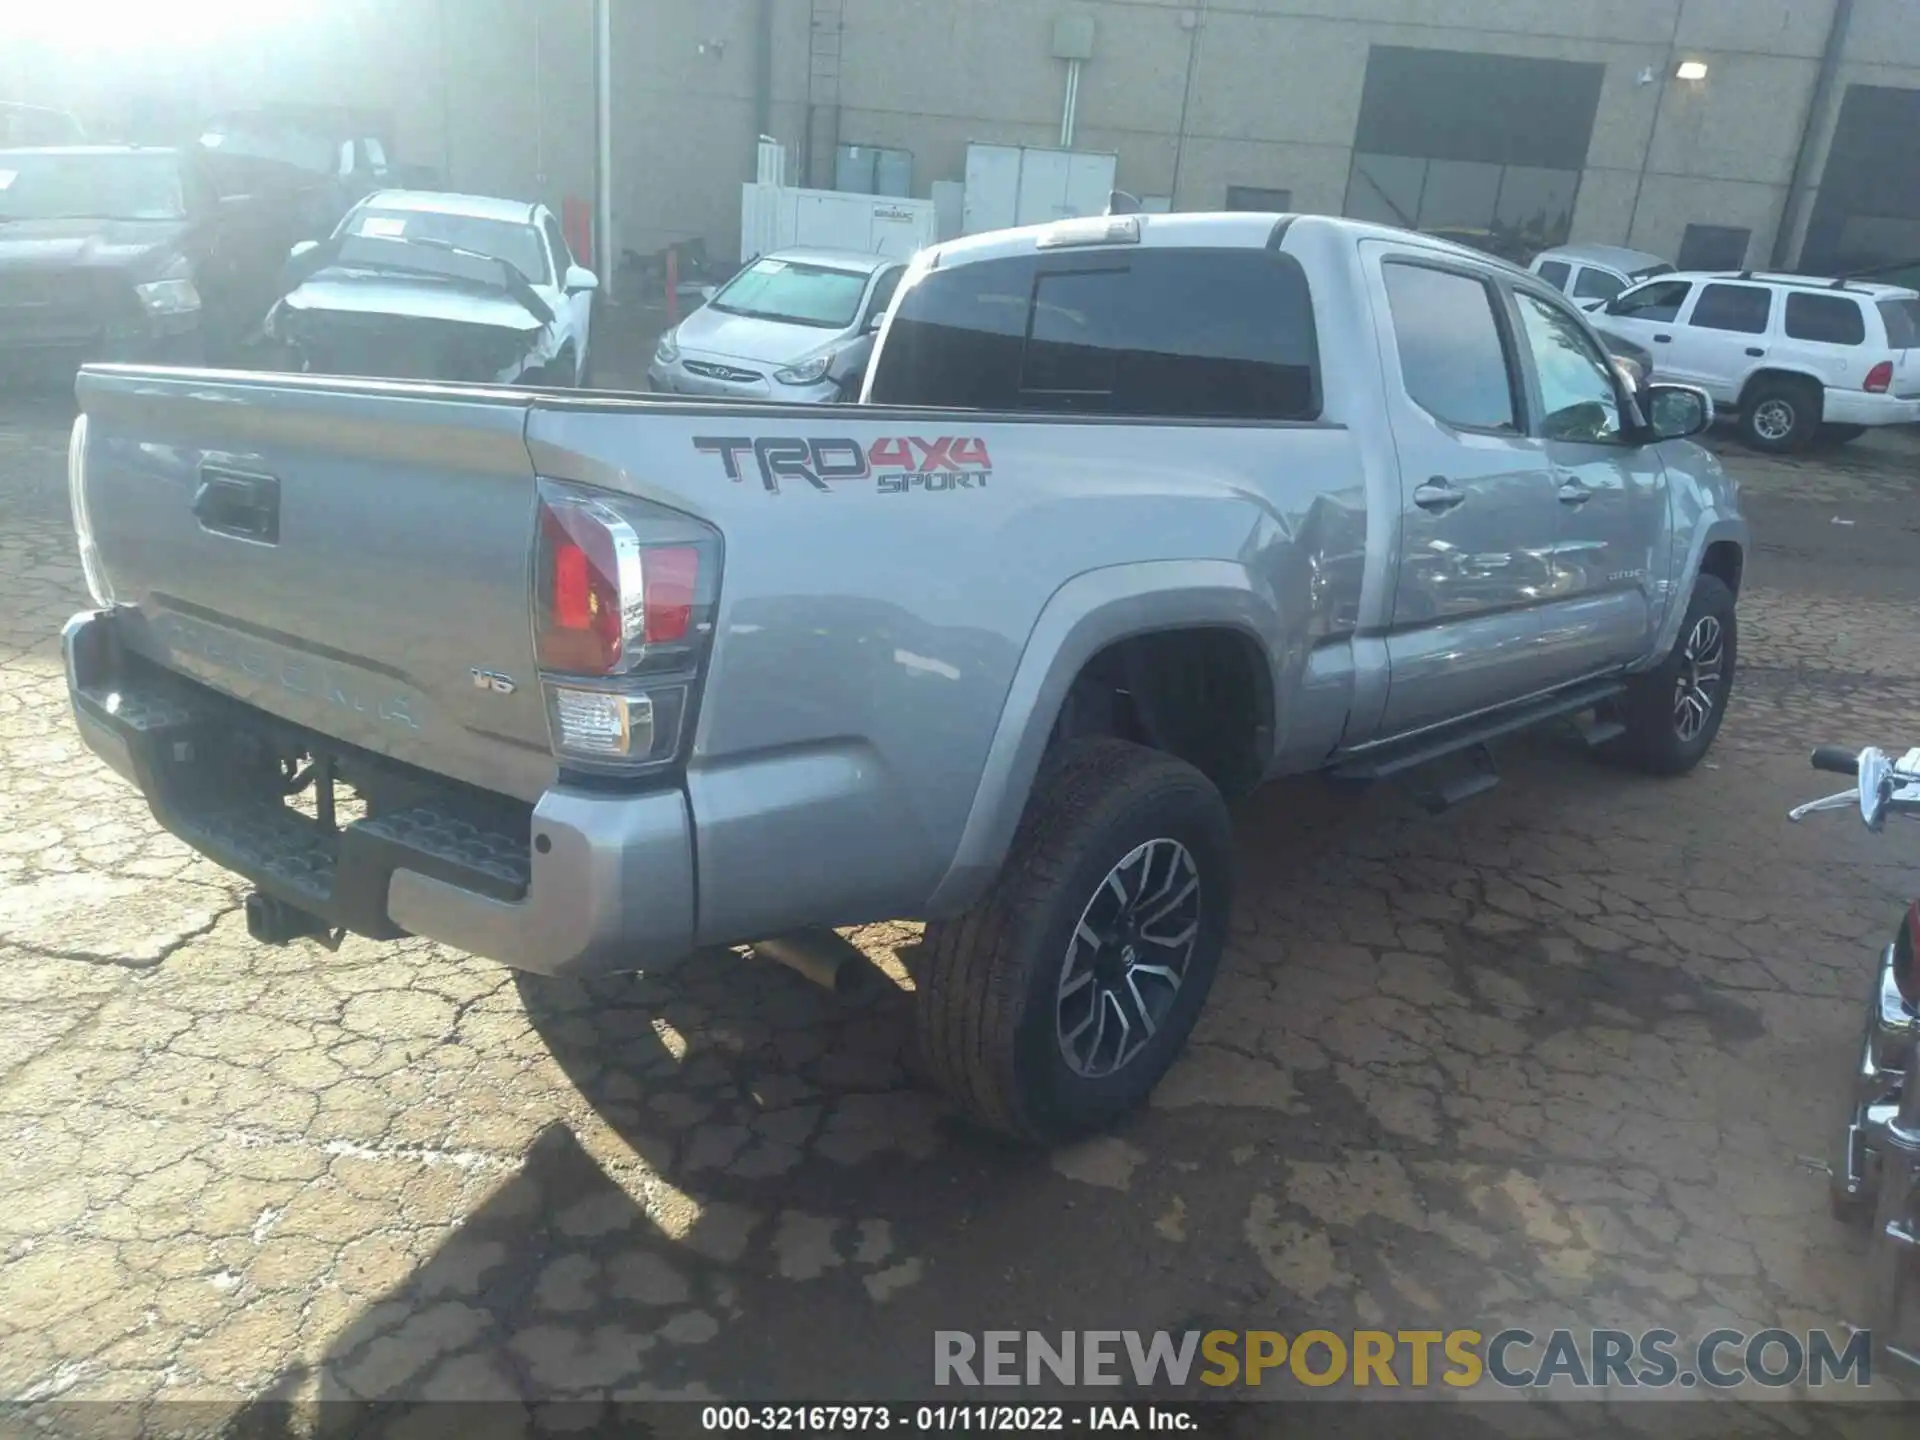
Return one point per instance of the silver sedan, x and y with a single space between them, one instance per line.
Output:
794 325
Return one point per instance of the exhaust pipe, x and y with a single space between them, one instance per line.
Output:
274 922
825 957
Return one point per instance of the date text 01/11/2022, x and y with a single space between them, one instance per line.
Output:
939 1419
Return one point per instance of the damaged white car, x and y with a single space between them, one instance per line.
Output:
426 286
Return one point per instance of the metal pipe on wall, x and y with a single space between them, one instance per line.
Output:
1070 108
1793 203
763 73
604 253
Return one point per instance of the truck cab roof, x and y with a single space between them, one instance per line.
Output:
1218 229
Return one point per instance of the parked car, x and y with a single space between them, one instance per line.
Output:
431 286
320 160
1145 510
1796 356
33 125
797 325
114 252
1596 272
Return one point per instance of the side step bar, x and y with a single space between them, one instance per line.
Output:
1394 759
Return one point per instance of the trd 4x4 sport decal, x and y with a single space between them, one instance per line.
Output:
897 465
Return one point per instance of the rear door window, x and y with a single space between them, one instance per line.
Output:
1453 361
1829 319
1191 334
1740 308
1554 272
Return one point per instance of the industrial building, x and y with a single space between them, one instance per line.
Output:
1715 132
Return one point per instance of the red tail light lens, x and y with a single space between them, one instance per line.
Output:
623 600
583 631
670 579
1880 377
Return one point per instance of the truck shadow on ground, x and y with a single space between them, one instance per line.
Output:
756 1200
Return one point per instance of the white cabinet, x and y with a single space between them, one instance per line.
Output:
1010 185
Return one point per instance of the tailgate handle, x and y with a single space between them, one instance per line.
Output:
231 502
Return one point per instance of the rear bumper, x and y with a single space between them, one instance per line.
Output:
581 882
1857 407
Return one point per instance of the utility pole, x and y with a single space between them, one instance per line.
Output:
604 252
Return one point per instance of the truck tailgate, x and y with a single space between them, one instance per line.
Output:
352 557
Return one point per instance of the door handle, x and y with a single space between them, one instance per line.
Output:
1575 491
1755 351
230 502
1662 339
1438 495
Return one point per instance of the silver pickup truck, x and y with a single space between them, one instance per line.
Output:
1135 513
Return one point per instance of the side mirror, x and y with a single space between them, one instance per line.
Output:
302 248
1675 412
876 320
579 279
707 292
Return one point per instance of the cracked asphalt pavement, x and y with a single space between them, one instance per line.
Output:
1562 1057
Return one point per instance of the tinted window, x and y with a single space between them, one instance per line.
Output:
1902 319
1652 302
1597 284
1714 247
1451 356
1554 272
1253 197
1833 319
1224 334
1578 400
1733 307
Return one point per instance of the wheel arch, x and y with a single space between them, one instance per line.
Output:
1777 372
1095 620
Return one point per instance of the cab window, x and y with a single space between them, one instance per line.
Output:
1554 272
1578 398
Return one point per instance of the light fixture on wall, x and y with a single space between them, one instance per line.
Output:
1690 70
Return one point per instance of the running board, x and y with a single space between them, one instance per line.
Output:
1396 759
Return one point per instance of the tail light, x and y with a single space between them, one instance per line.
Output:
90 564
624 592
1880 377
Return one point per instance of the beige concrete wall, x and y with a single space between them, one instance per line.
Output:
1192 95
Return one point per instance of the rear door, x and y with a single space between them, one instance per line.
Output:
1721 338
341 555
1479 515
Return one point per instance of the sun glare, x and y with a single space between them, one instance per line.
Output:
81 25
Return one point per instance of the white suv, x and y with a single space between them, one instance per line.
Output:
1797 357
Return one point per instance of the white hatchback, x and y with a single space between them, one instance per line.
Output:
1796 357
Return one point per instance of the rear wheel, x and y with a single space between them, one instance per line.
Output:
1780 415
1053 1006
1673 711
1840 434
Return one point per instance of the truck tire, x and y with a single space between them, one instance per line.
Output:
1780 415
1673 711
1054 1005
1840 434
